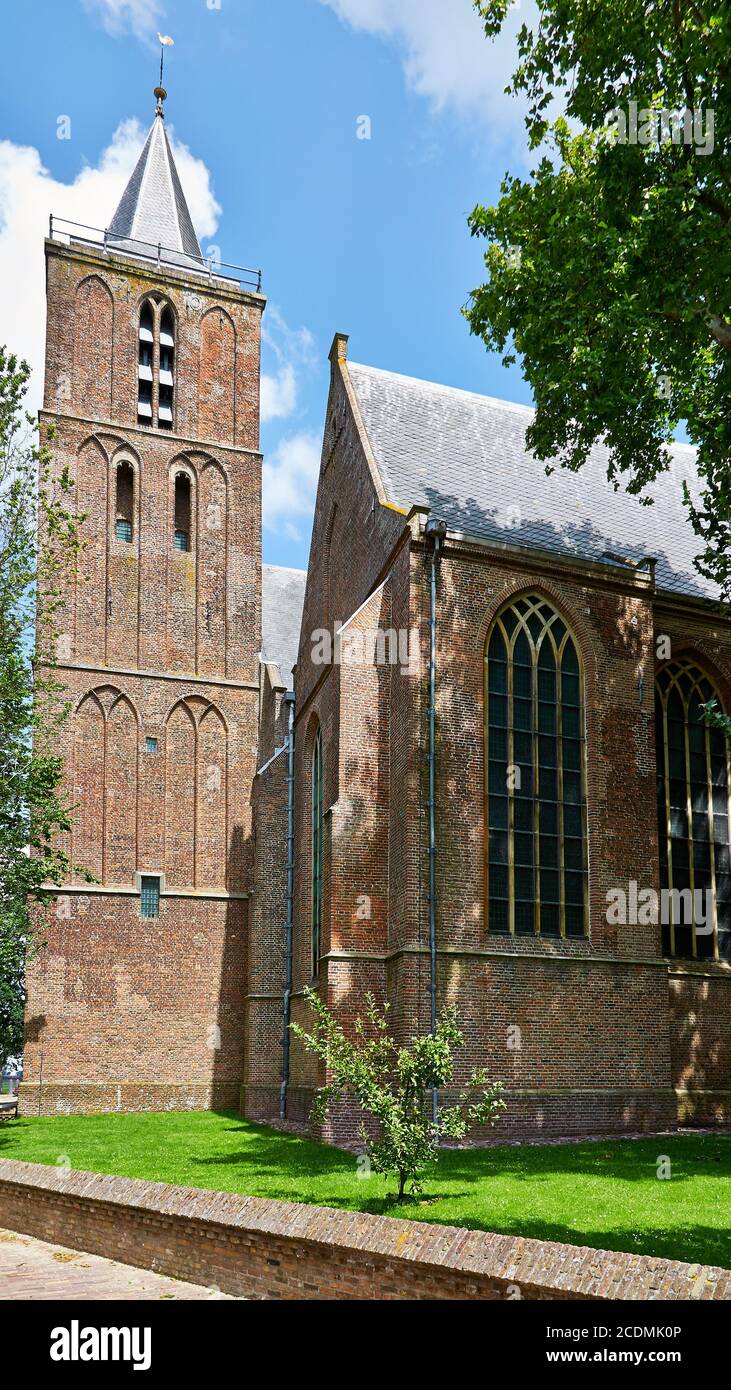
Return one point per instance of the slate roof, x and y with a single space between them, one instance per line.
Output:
282 600
152 210
464 456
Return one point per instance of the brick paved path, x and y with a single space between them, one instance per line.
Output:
31 1269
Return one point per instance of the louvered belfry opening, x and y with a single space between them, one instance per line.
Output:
145 364
167 368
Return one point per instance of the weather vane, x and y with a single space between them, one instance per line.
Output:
165 42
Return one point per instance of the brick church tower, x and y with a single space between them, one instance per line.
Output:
135 1000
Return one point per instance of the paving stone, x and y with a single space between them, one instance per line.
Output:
32 1269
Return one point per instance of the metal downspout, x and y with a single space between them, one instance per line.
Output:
435 532
286 999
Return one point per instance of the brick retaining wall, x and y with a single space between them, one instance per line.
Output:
266 1249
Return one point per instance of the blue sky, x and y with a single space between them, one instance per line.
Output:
367 237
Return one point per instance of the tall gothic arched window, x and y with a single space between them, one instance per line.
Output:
124 501
316 852
182 512
536 778
693 780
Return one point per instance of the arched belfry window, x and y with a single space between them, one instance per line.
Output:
536 779
693 815
183 512
167 369
156 364
146 349
316 823
124 502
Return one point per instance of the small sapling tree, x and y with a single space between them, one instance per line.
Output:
394 1086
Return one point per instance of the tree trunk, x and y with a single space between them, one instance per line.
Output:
721 329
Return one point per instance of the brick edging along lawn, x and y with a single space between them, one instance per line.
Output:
262 1248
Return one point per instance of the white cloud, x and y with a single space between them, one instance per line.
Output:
447 57
292 353
278 393
289 479
29 193
139 17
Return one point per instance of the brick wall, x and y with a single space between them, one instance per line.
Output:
127 1013
159 653
609 1038
281 1250
94 301
267 945
700 1029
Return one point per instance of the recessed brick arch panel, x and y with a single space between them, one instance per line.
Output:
93 339
217 376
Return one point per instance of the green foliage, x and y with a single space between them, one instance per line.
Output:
604 1193
394 1085
609 269
32 565
716 719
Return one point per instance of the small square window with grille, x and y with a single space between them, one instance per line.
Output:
150 745
123 530
149 897
181 541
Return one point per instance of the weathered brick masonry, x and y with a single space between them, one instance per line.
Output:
266 967
176 750
281 1250
159 651
613 1036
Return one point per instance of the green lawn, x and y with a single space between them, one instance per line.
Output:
603 1194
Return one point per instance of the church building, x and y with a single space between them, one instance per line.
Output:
462 760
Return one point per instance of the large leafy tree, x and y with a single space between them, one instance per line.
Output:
33 558
609 269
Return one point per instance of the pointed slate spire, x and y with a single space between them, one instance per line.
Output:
152 211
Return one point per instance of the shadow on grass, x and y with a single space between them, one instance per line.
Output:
272 1151
270 1155
9 1129
633 1160
189 1149
697 1245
